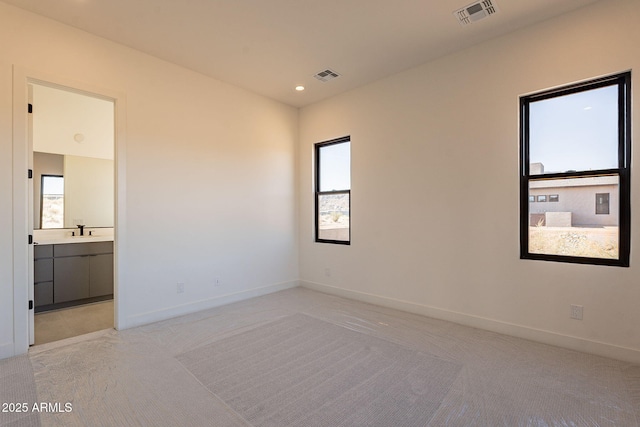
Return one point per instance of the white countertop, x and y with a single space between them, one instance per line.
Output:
60 236
77 239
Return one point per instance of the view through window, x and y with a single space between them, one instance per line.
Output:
52 201
333 191
575 146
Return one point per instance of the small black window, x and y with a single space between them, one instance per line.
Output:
574 140
333 191
542 198
532 199
52 201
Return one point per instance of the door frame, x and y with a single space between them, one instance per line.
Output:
22 228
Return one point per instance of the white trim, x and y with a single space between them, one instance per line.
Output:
192 307
21 78
546 337
20 214
120 218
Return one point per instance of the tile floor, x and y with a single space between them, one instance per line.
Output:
70 322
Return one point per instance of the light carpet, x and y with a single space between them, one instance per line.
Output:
299 370
18 393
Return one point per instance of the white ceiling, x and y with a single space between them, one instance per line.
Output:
71 123
270 46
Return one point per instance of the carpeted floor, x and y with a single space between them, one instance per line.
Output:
300 371
253 363
18 393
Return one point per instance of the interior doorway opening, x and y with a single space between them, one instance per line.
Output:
72 218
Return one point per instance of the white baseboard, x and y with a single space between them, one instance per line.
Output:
546 337
192 307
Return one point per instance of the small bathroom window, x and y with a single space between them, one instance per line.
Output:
52 201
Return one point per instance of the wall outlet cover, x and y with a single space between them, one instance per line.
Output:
576 312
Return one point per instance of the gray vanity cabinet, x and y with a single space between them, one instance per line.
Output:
100 275
64 273
43 275
71 278
82 270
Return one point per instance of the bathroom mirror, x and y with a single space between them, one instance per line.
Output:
71 190
73 152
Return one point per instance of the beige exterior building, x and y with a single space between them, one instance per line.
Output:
574 202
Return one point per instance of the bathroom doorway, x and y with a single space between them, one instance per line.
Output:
72 211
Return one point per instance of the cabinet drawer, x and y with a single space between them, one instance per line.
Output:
43 294
43 251
43 270
77 249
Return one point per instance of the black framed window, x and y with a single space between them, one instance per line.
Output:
333 191
52 201
576 141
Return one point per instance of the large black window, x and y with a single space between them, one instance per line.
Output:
576 145
333 191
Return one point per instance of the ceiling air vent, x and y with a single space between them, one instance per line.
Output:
326 75
475 11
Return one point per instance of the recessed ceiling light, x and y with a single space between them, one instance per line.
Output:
299 88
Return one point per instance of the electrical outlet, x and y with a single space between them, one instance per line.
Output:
327 272
180 287
576 312
217 282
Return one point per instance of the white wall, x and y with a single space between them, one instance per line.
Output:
210 175
88 192
435 188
